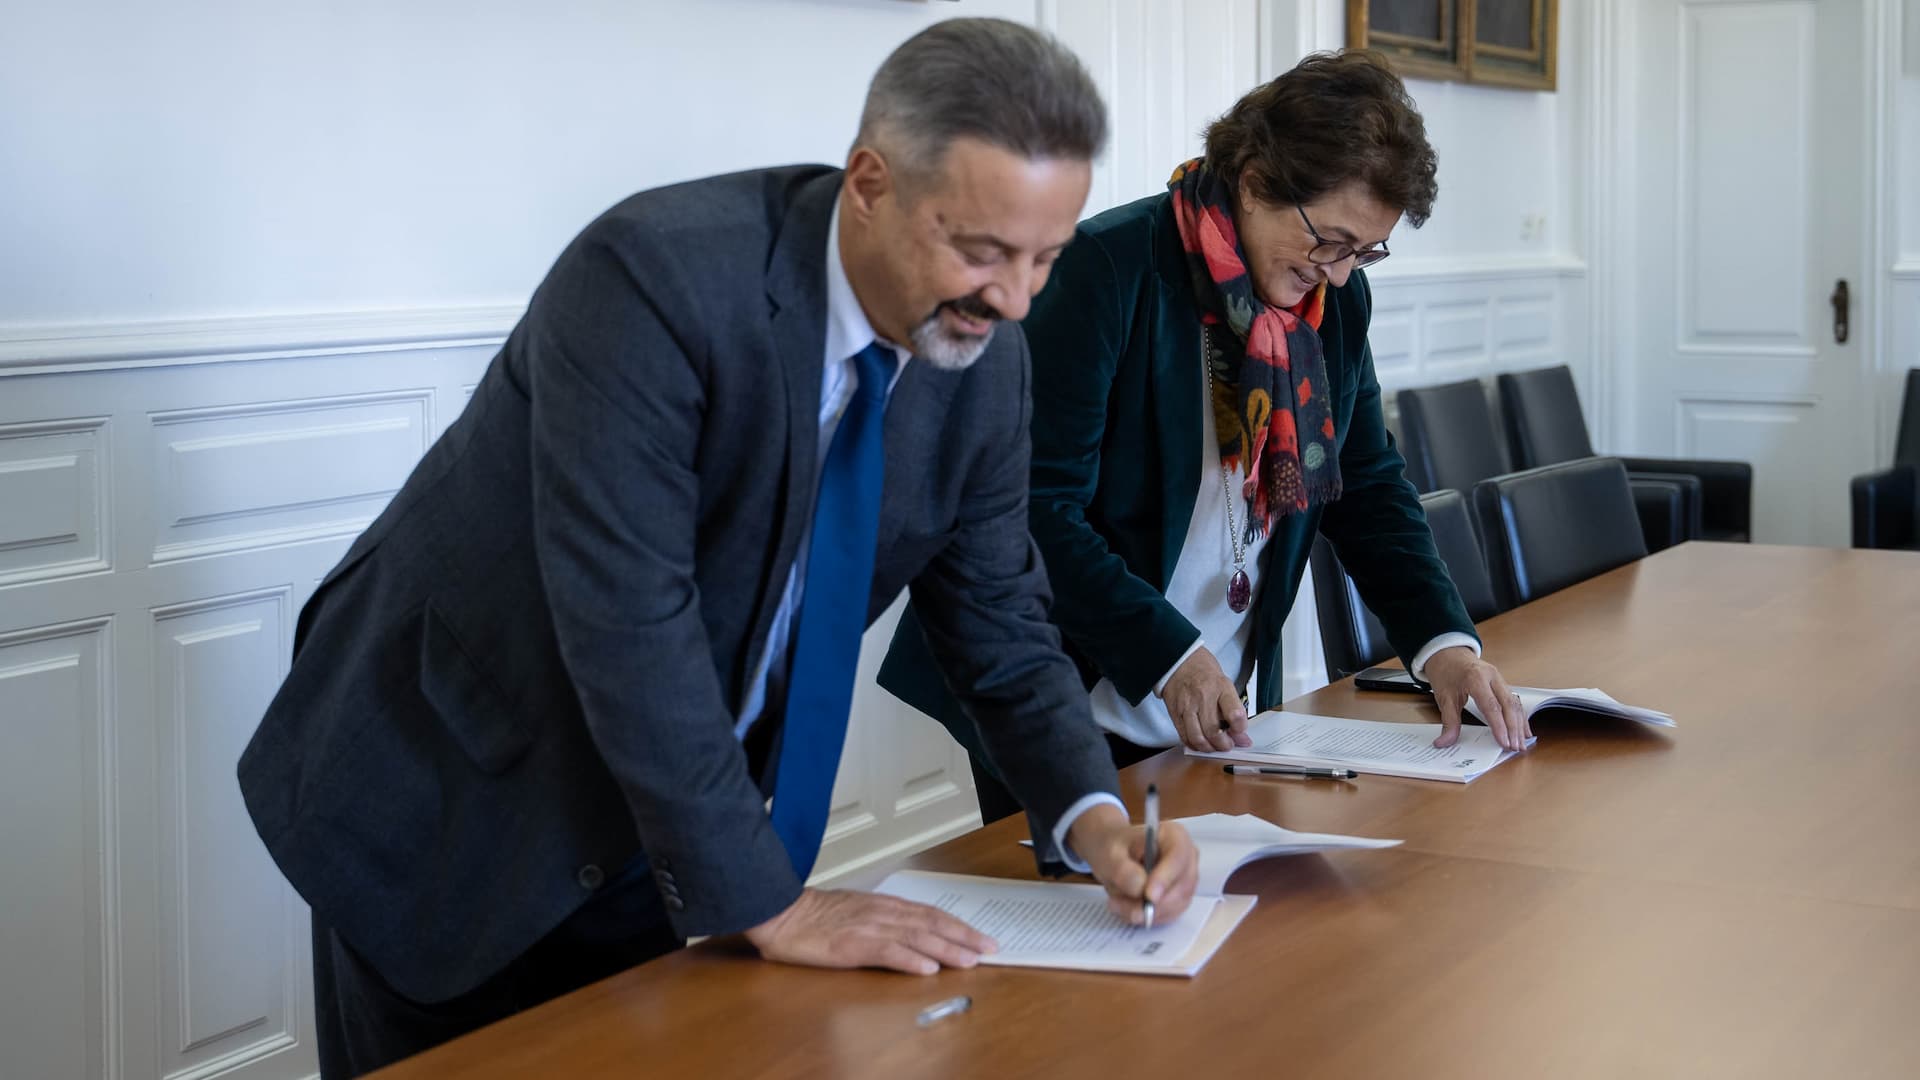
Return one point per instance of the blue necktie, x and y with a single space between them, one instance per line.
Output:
833 615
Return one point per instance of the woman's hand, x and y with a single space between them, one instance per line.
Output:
1206 706
1457 674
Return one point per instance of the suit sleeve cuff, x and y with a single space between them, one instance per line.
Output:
1061 851
1444 641
1161 686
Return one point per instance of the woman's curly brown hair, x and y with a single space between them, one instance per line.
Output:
1335 117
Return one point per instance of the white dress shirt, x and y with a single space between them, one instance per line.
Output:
848 332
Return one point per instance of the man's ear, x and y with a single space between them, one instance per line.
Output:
869 182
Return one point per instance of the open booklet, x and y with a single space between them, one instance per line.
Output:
1368 746
1228 842
1583 699
1067 925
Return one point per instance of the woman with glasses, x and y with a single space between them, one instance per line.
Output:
1204 402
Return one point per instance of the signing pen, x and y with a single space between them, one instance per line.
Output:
1300 771
1153 839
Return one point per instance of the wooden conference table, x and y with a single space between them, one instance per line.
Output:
1740 897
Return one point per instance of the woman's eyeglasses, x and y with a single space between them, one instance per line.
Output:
1327 252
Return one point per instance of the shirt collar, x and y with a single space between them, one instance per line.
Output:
848 330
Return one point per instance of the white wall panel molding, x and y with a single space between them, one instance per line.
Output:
230 927
59 944
1765 429
1902 352
1732 176
236 476
1888 350
1429 330
56 488
1431 269
44 349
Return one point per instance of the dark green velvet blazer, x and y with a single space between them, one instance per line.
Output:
1117 425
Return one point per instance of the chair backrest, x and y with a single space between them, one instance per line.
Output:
1906 443
1350 635
1449 438
1556 526
1544 423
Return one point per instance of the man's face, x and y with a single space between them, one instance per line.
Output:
942 259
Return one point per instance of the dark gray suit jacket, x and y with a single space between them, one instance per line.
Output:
529 667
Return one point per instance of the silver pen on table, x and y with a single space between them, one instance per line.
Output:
940 1010
1301 771
1153 841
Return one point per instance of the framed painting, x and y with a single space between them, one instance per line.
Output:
1514 43
1423 39
1497 42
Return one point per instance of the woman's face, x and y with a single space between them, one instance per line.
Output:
1277 241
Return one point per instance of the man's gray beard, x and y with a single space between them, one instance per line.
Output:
945 350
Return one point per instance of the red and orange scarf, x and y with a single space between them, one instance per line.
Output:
1270 399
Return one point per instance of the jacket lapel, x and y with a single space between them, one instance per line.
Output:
1177 394
916 416
797 299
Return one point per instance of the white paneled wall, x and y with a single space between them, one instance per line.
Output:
161 528
57 946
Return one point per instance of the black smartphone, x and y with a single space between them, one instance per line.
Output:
1396 680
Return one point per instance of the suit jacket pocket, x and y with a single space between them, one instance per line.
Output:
471 706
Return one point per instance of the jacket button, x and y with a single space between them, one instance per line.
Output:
590 877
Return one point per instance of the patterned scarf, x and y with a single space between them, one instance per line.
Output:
1269 374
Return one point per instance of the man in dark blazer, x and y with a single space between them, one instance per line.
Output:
537 713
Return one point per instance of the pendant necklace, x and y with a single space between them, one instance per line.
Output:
1239 586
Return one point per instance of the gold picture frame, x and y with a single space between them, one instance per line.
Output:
1511 43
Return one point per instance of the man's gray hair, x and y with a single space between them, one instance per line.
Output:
1007 85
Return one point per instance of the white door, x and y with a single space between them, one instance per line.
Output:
1752 182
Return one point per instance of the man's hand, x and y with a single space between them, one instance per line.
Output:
838 928
1116 850
1457 674
1205 705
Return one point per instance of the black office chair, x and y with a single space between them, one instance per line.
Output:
1451 440
1886 504
1545 427
1448 436
1350 636
1556 526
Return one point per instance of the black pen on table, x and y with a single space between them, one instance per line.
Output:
1300 771
1153 842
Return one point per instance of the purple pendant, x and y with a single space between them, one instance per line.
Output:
1239 591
